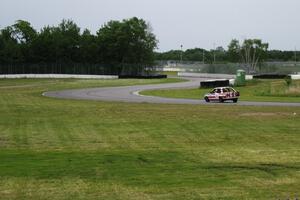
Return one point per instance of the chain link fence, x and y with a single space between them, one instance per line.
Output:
228 68
76 68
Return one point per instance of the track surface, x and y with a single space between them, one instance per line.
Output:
130 94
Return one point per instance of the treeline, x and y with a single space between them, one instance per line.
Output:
129 42
118 47
220 55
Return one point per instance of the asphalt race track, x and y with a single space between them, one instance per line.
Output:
130 94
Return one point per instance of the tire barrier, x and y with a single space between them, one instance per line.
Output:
143 76
214 83
271 76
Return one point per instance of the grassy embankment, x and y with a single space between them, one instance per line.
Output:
71 149
256 90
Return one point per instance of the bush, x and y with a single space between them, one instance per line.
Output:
288 80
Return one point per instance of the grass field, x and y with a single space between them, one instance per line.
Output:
71 149
256 90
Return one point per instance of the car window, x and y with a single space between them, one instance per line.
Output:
218 90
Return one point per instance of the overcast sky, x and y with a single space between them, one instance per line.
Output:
192 23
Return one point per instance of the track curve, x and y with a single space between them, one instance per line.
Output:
131 94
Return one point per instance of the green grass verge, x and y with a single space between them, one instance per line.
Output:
58 84
71 149
256 90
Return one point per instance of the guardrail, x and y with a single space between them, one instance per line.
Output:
206 75
295 77
213 76
10 76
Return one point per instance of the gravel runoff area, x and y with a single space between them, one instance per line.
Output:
131 94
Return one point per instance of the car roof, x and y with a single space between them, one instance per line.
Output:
222 87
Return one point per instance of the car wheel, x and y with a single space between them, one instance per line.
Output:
221 100
206 99
235 100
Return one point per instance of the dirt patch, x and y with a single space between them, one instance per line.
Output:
293 90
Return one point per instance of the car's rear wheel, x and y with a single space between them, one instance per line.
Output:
206 99
221 100
235 100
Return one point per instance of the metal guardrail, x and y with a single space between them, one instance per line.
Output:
11 76
206 75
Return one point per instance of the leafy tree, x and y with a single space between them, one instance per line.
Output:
58 44
44 45
253 51
67 40
127 41
10 52
233 53
15 42
169 55
88 47
195 54
23 32
218 54
277 55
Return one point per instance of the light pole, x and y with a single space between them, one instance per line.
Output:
181 53
203 56
295 55
214 53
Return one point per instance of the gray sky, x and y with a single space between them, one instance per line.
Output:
192 23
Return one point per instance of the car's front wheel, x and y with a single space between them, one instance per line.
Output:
206 99
221 100
235 100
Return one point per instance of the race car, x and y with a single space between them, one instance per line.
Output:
222 94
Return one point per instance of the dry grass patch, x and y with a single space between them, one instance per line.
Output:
265 114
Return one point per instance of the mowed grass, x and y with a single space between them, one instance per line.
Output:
255 90
70 149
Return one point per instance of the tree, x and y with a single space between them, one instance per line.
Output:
67 40
45 45
23 32
10 51
88 47
58 44
128 41
15 42
169 55
195 54
251 52
219 54
233 53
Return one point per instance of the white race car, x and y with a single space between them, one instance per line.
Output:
222 94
